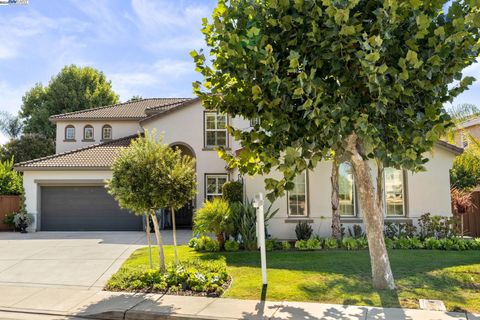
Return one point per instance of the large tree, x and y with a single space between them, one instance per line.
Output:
72 89
366 79
27 147
10 125
149 176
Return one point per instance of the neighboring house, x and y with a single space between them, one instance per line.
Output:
66 191
470 127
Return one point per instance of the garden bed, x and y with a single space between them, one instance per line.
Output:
343 277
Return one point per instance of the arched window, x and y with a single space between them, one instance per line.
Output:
107 132
69 132
88 132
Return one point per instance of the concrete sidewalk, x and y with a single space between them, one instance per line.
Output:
59 303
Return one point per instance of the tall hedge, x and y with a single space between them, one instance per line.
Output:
10 180
233 191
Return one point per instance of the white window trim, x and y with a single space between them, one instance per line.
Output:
218 192
354 195
306 214
404 211
66 132
87 127
103 132
205 129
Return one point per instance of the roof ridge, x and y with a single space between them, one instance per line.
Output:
56 155
55 116
182 100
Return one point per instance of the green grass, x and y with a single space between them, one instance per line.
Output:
343 277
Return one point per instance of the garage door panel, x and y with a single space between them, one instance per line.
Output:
83 208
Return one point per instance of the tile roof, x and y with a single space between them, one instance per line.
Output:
156 112
99 156
134 110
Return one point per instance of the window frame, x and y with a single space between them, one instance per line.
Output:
70 126
404 195
205 130
354 195
88 126
307 200
205 184
107 126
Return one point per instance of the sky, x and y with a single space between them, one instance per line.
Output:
142 46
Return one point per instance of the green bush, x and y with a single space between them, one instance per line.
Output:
10 180
389 243
231 245
286 245
362 243
195 275
314 244
269 245
301 245
192 243
349 243
232 191
465 173
432 244
205 243
214 217
303 230
330 243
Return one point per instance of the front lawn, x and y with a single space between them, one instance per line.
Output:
343 277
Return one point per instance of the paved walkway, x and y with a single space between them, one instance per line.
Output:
58 303
77 260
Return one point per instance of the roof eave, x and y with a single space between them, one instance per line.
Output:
65 168
55 120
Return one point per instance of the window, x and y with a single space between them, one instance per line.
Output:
254 121
69 132
213 185
297 197
215 130
88 132
394 192
346 192
106 132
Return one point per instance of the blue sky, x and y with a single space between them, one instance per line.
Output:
141 45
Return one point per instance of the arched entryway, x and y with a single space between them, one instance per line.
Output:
184 216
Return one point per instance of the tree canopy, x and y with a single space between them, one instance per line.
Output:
72 89
314 72
465 173
10 180
27 147
10 125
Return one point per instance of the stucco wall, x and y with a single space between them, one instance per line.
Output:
427 191
32 188
119 129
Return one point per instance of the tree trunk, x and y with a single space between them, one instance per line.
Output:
336 225
372 210
161 255
175 259
149 240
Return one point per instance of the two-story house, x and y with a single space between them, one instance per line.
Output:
66 191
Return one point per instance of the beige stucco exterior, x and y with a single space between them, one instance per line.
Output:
119 129
427 191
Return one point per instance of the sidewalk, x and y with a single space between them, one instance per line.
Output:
53 303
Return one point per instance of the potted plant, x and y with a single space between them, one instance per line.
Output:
22 221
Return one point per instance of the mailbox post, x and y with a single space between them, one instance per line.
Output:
258 204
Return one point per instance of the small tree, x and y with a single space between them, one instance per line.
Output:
10 180
148 176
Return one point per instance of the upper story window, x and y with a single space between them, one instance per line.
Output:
346 190
215 128
107 132
297 197
394 192
69 132
214 184
254 121
88 132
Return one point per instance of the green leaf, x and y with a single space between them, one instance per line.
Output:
347 30
373 57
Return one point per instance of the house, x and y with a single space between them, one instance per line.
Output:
66 191
469 127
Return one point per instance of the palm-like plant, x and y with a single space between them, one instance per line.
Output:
10 125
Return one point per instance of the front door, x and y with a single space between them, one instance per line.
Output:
183 217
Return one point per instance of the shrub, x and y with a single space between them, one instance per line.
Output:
330 243
192 243
362 243
205 243
356 231
314 244
303 230
214 217
212 245
399 230
349 243
269 245
232 191
432 243
231 245
287 246
194 275
389 243
437 226
301 245
10 180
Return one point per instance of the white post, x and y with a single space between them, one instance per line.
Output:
261 235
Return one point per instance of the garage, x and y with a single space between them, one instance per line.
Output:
83 208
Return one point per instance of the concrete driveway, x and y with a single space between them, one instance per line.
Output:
75 260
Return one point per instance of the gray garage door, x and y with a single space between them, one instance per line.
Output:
83 208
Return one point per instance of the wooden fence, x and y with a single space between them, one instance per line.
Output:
471 219
8 204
